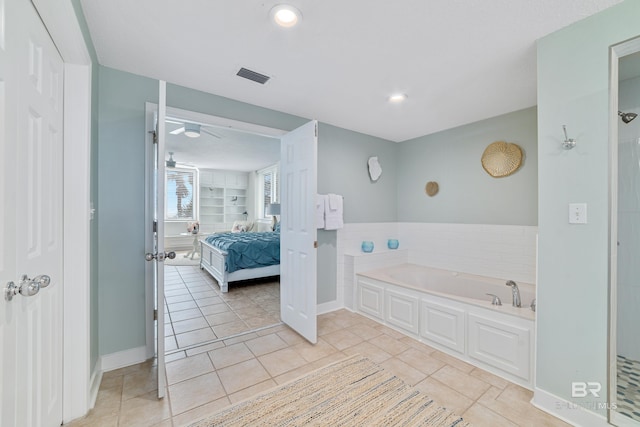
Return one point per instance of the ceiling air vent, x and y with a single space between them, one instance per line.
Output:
253 76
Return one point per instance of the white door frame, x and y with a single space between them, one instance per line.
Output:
80 381
193 116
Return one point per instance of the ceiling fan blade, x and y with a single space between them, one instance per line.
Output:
177 131
210 133
175 122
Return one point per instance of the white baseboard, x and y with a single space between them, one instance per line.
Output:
567 411
112 361
328 307
94 385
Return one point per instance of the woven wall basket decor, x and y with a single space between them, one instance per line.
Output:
501 158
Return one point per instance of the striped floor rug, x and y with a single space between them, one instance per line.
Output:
352 392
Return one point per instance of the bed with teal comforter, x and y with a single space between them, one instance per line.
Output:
247 250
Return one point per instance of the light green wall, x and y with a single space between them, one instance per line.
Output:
467 193
93 294
120 214
573 73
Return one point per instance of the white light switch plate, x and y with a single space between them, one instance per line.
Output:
577 213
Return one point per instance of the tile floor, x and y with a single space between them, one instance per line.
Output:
240 367
628 399
197 312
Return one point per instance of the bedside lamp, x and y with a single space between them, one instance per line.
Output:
273 209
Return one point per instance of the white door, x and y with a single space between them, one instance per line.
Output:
298 162
157 254
31 167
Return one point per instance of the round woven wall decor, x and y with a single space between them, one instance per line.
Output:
431 188
501 158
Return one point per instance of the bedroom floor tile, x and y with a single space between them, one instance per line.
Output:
214 375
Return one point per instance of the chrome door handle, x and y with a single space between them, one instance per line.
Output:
43 280
26 287
160 257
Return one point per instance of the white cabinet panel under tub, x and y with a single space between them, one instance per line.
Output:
402 310
370 299
500 344
443 324
491 338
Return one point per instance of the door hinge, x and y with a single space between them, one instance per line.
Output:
155 314
315 244
154 135
155 226
316 127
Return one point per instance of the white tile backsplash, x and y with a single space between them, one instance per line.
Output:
502 251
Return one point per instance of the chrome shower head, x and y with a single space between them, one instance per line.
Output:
627 117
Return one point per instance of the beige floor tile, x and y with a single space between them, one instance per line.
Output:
482 416
261 321
208 301
326 326
445 396
230 355
221 318
174 356
417 345
187 368
170 343
342 339
139 383
177 298
195 337
389 331
450 360
189 417
93 420
295 373
389 344
204 348
215 309
179 306
250 392
204 294
144 410
180 327
462 382
242 375
281 361
373 352
231 328
421 361
290 337
195 392
312 352
364 331
490 378
185 314
403 371
241 338
266 344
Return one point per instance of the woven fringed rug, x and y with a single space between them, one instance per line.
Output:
352 392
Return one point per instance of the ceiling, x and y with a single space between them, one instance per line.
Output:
230 150
459 61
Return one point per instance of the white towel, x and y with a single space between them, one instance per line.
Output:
320 203
333 212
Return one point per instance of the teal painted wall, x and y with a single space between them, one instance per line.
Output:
468 194
121 163
573 89
93 294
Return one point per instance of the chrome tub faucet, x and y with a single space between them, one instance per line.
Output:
515 293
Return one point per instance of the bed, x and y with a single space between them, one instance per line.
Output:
230 257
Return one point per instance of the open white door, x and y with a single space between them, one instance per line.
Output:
156 253
298 295
31 218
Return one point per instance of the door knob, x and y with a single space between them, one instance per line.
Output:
160 257
26 287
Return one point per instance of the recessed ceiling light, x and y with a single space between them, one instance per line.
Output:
396 98
285 15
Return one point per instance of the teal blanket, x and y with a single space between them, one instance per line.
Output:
247 250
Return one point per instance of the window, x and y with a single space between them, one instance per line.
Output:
269 187
181 197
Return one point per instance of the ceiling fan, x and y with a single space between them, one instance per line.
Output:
171 162
192 130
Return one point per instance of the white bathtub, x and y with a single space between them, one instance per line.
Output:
468 288
451 312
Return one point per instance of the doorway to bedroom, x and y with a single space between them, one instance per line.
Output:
218 180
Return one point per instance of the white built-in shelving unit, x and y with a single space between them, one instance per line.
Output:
223 199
